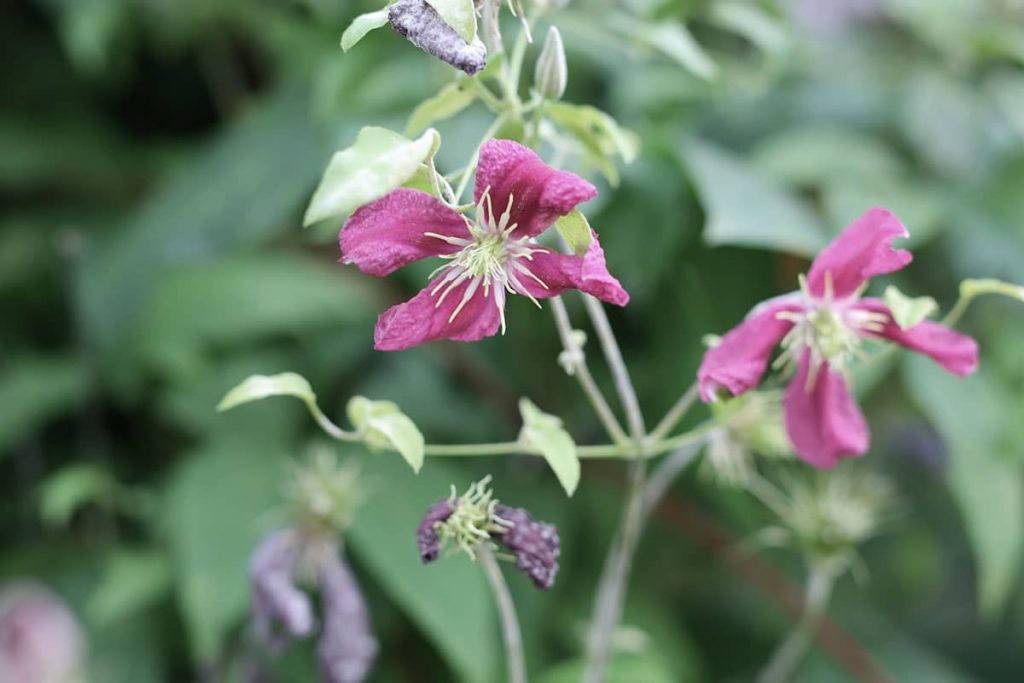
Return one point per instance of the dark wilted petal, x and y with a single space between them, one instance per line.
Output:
426 535
424 28
534 544
347 646
275 598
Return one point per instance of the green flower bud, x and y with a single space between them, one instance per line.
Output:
323 494
552 73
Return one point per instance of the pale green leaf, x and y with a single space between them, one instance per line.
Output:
384 425
758 26
72 487
379 161
982 476
575 230
362 25
459 14
600 135
258 387
745 208
908 311
675 41
545 433
452 99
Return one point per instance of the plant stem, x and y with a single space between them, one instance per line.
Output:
958 310
676 413
791 651
623 383
471 167
511 635
582 373
666 473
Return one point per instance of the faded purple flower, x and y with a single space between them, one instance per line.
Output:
276 601
427 538
347 647
40 639
535 545
423 27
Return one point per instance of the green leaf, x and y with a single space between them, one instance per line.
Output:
216 510
362 25
758 26
384 425
545 433
971 288
132 580
982 475
575 230
35 389
452 99
623 668
675 41
448 601
908 311
379 161
258 387
70 488
745 208
459 14
598 133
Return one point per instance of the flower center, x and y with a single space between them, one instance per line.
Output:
490 257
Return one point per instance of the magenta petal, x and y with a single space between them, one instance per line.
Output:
956 352
562 272
824 422
742 355
419 320
861 251
541 194
389 233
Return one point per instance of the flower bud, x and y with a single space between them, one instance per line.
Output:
347 648
275 598
536 545
40 639
551 74
423 27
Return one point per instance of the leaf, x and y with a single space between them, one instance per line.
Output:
383 425
907 311
216 511
973 416
745 208
258 387
35 389
448 601
240 189
132 580
755 24
362 25
598 133
459 14
452 99
71 487
378 162
675 41
575 230
545 433
623 668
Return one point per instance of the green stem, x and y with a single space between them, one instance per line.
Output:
471 167
676 413
623 383
791 651
511 635
958 310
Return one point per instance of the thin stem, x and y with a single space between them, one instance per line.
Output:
471 167
791 651
582 373
623 383
958 310
511 635
676 413
670 468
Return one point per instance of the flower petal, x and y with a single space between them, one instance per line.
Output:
739 360
954 351
861 251
562 272
420 320
389 233
541 194
824 421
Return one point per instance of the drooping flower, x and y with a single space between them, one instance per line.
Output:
517 197
536 545
821 328
424 28
347 646
280 610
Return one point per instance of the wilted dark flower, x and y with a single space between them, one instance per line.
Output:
424 28
347 646
427 538
40 639
275 598
535 545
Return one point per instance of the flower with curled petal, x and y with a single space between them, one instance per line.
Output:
489 256
821 328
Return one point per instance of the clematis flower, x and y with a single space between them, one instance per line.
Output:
821 328
517 197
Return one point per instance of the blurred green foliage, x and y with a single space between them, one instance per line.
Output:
155 162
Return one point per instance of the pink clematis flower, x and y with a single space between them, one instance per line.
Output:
821 328
518 197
